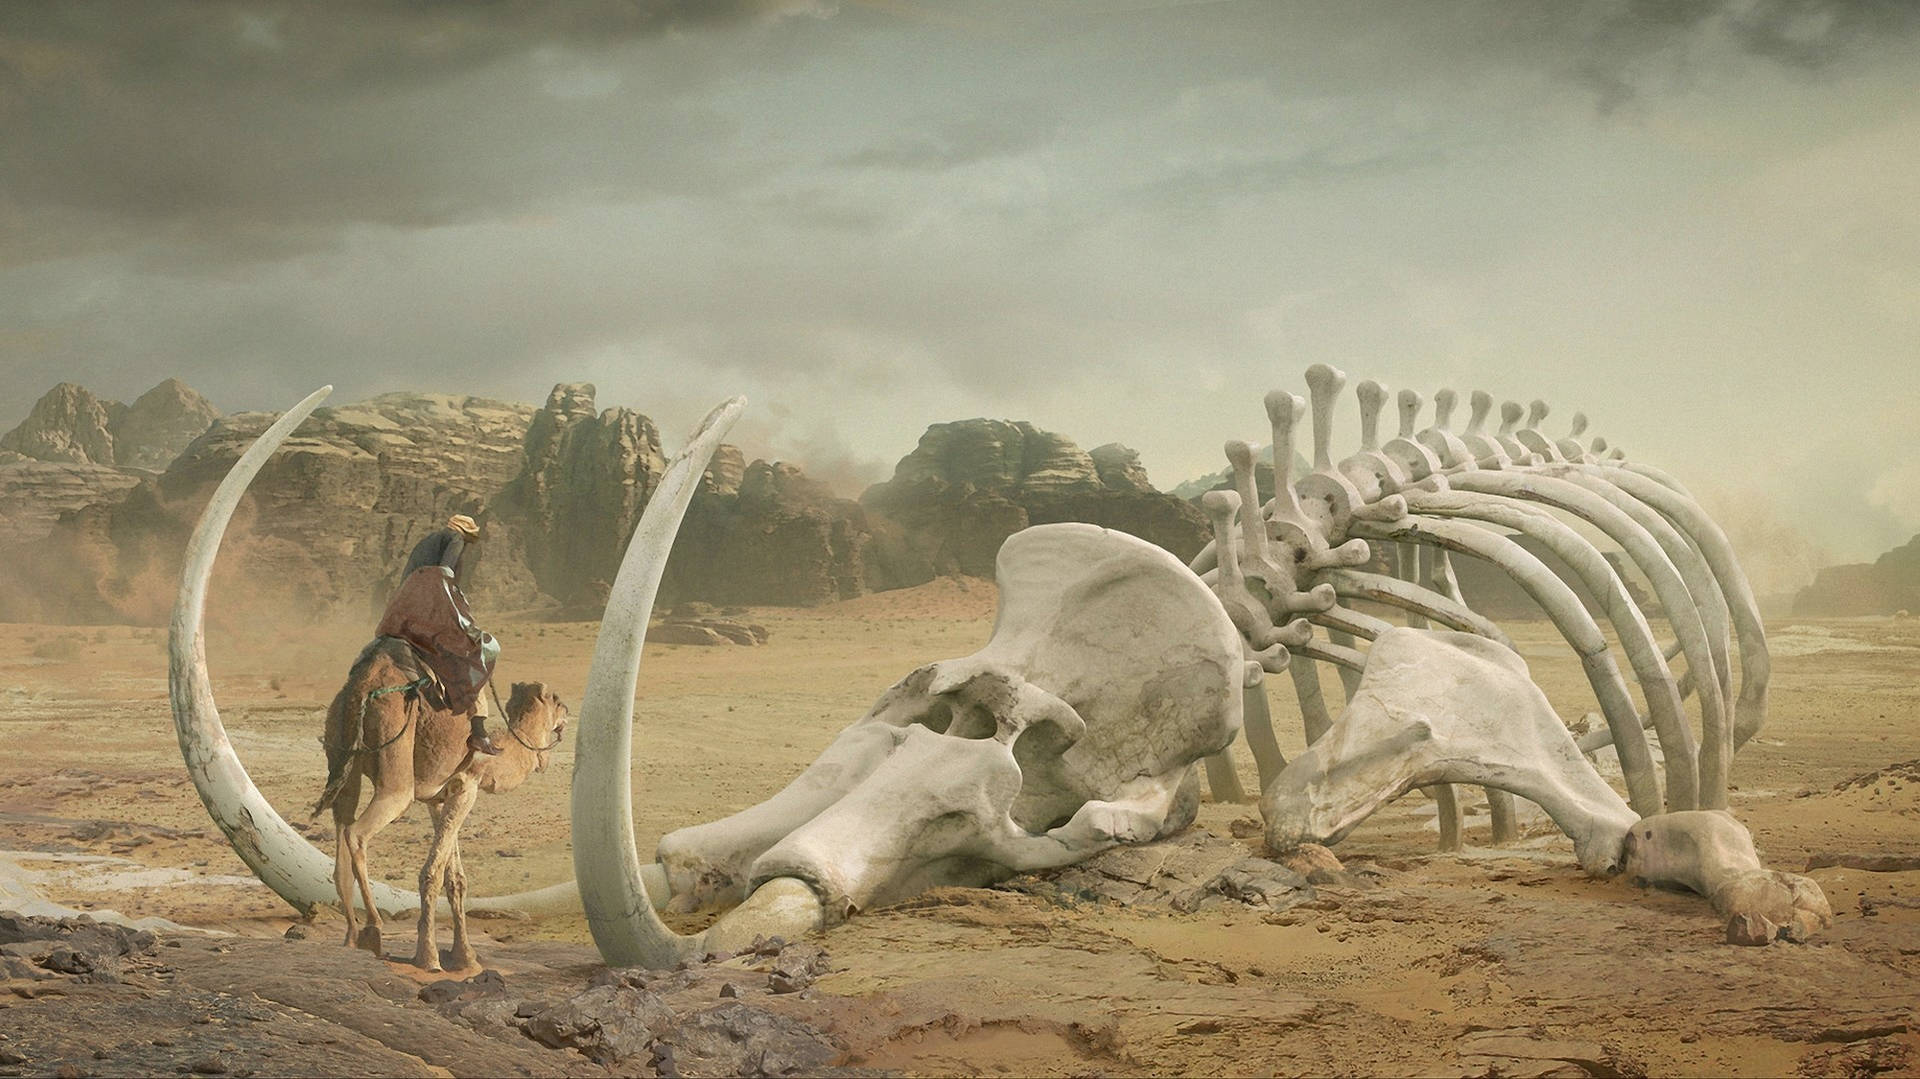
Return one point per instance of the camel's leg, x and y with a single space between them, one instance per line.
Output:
457 800
344 806
384 808
463 957
426 955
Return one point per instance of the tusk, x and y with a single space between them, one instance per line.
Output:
613 886
782 907
283 860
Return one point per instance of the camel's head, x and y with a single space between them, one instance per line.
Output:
538 717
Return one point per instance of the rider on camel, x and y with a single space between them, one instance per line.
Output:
430 612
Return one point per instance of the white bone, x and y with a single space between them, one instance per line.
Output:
284 861
1439 707
1111 670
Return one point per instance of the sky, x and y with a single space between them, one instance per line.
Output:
1123 220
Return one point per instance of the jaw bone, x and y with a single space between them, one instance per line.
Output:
283 860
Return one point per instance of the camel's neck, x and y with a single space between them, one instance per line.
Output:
508 770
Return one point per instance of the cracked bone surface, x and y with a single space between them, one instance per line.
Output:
284 861
1111 670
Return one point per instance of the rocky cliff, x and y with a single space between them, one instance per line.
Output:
558 491
969 485
72 426
73 451
776 538
1888 584
584 477
326 525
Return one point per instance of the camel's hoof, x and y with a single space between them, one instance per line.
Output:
463 961
428 961
369 940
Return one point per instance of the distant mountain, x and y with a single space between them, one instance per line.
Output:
72 426
969 485
96 503
1888 584
1262 476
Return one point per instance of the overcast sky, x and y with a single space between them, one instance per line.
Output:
1123 220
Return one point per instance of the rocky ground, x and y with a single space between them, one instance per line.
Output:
1196 956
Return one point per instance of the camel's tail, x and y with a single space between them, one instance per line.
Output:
338 741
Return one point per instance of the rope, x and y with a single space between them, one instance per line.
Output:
361 725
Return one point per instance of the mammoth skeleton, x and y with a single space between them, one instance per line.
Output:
1113 670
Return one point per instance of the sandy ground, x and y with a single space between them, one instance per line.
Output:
1492 961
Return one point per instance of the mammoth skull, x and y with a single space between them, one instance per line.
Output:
1110 671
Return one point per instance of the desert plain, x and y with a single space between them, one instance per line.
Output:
1490 961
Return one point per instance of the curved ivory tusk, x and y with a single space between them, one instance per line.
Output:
613 888
284 861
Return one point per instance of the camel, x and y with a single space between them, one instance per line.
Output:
381 727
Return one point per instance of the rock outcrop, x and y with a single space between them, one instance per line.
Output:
584 478
558 491
1888 584
325 528
160 425
69 424
777 538
34 494
971 484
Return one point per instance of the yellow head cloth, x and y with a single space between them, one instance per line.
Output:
464 525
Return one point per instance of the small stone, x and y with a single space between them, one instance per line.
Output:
296 932
209 1065
1750 930
1200 1026
68 961
728 990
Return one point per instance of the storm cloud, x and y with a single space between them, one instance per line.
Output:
1121 220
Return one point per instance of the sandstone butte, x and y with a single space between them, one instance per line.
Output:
98 498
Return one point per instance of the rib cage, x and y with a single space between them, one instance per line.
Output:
1286 574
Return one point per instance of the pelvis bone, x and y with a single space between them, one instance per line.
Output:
1110 671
